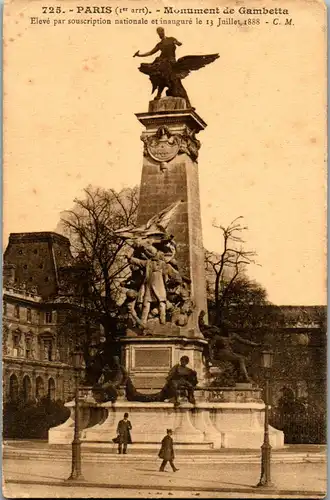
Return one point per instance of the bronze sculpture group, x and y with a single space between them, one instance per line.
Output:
166 71
114 382
113 379
155 290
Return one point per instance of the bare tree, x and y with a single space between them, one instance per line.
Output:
91 227
224 269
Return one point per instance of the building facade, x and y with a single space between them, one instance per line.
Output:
300 363
36 352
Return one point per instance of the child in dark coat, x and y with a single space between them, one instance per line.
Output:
166 452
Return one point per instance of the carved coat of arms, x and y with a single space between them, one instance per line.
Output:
163 146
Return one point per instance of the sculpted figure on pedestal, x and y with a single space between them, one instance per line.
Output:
167 72
133 285
182 378
220 348
113 377
95 359
153 290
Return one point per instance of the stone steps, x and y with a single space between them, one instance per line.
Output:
205 446
220 457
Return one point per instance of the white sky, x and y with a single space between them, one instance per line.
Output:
70 97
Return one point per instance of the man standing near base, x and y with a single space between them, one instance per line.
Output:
166 452
124 436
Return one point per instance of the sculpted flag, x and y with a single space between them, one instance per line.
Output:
155 227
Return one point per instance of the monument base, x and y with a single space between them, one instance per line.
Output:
149 359
208 424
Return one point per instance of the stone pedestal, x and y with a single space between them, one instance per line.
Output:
203 426
167 104
148 360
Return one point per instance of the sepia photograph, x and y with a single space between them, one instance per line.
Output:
164 249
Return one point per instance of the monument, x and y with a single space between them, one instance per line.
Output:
168 347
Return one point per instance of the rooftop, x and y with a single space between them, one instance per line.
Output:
37 236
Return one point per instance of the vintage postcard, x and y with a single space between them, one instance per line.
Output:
164 260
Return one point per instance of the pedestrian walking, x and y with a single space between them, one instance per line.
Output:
123 432
166 452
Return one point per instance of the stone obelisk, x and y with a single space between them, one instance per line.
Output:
170 174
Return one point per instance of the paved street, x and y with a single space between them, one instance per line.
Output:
37 491
105 452
125 477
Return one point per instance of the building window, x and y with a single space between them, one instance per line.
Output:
40 388
17 312
13 388
25 266
51 389
27 389
35 251
41 266
16 344
49 317
4 309
47 278
48 350
5 344
20 252
28 315
28 348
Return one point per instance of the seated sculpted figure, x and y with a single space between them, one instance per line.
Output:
113 377
220 348
180 378
94 356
